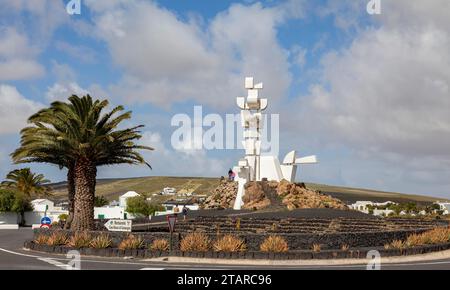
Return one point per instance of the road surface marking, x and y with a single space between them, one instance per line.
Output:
53 261
57 264
19 254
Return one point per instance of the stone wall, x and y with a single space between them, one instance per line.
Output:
295 241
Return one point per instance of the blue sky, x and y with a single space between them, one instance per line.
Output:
368 94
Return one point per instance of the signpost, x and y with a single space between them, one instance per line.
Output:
119 225
46 222
171 221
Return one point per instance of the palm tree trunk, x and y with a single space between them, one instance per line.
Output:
71 194
85 177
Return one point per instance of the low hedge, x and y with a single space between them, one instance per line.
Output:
292 255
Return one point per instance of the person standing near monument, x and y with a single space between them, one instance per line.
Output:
184 212
231 175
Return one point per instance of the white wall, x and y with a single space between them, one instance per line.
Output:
9 218
34 217
109 212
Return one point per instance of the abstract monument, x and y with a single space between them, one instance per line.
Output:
254 166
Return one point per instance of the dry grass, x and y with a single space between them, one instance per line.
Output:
80 240
275 244
41 239
238 224
57 239
195 242
345 247
316 248
229 243
397 244
434 236
102 241
159 245
131 242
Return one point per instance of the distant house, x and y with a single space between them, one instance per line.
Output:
116 209
169 191
123 198
41 208
110 212
176 206
444 206
364 206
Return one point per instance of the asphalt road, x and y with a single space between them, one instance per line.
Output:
14 257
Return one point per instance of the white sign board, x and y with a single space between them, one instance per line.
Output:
119 225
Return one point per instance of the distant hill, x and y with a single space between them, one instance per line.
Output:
113 188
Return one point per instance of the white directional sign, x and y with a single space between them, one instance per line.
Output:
119 225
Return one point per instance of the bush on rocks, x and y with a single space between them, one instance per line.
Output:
159 245
102 241
80 240
274 244
229 243
41 239
57 238
195 242
131 242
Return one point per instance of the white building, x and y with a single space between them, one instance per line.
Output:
363 206
123 198
176 206
444 206
41 208
116 210
169 191
110 212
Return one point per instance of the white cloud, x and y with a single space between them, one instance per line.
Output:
63 72
17 56
168 60
14 109
83 53
33 23
61 91
389 90
386 98
44 16
299 55
167 161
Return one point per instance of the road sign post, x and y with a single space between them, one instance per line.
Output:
46 222
119 225
171 221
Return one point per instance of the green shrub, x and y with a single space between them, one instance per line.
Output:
102 241
80 240
57 238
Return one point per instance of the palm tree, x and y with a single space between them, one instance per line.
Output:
25 182
77 136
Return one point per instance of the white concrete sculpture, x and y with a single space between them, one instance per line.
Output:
254 167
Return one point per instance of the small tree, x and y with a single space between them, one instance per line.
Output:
7 198
139 206
21 205
11 201
100 201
